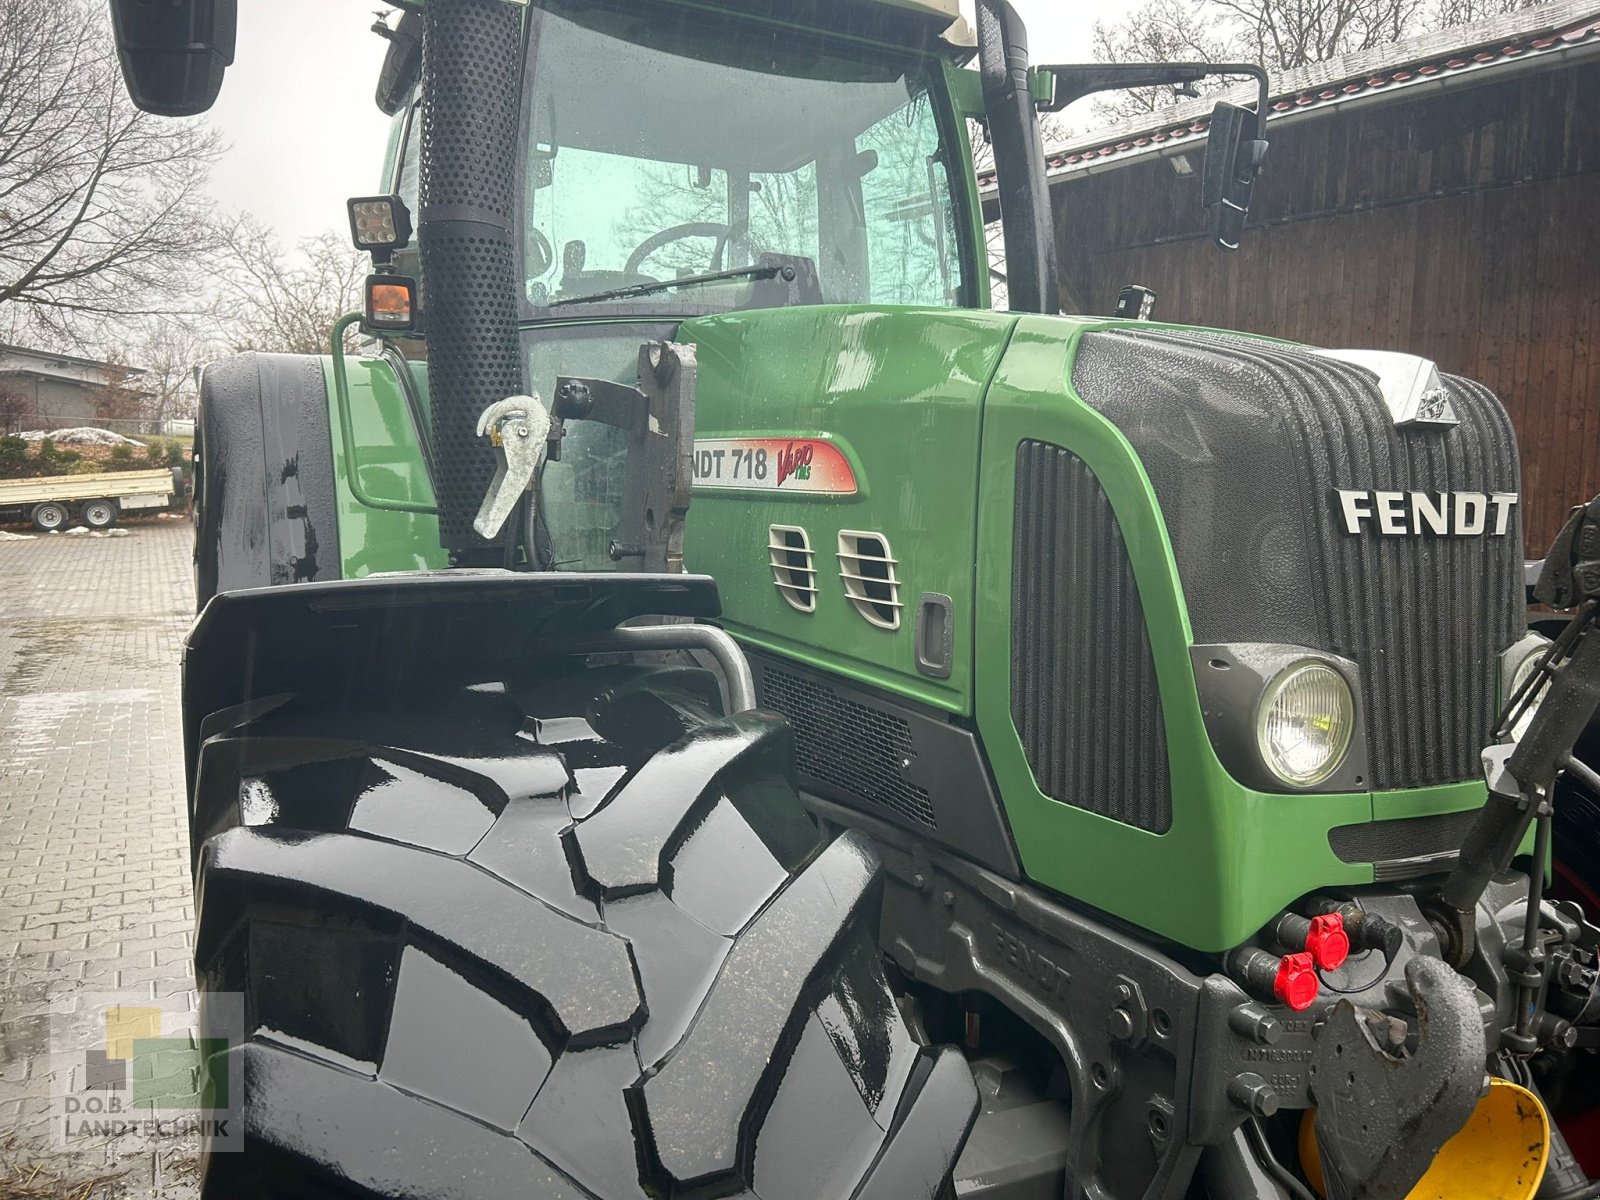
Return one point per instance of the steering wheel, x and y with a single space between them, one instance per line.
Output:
538 255
676 233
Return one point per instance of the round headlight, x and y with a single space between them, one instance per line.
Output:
1305 722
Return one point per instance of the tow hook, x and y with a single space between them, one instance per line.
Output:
1384 1111
517 428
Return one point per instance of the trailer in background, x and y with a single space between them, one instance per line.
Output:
55 501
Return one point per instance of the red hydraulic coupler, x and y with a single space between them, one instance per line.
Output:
1366 930
1290 980
1322 937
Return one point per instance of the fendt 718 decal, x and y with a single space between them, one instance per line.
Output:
773 464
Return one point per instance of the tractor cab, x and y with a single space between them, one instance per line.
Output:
693 161
702 159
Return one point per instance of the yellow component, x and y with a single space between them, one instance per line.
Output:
124 1026
1499 1154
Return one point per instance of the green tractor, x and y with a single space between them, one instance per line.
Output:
1110 762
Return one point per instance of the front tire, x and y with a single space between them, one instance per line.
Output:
568 939
49 516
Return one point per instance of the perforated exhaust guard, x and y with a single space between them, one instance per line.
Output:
471 79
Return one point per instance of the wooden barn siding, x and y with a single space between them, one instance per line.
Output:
1465 228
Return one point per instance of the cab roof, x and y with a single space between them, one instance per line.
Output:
960 31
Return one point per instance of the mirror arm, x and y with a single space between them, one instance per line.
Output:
1259 74
1074 82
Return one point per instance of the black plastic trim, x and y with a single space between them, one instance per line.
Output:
945 766
1245 442
1231 680
1403 840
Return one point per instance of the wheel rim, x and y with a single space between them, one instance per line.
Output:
50 516
97 514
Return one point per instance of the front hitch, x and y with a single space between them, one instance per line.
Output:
1386 1106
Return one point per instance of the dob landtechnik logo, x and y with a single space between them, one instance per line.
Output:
137 1070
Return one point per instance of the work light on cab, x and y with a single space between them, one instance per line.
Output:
1304 723
379 223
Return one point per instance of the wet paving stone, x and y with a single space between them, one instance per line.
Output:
94 876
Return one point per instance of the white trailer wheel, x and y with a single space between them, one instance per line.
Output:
99 514
49 516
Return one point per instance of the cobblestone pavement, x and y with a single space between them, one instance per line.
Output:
94 879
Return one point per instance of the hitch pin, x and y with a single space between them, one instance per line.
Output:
518 428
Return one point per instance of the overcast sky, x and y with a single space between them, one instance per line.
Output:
304 133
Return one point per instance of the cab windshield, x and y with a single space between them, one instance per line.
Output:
684 144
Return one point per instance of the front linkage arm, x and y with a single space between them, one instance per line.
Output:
1521 775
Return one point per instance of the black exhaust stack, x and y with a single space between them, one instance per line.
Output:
471 76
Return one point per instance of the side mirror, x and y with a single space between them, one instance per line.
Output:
1234 154
402 65
174 52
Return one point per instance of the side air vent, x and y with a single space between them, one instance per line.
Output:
855 749
1084 696
867 568
794 567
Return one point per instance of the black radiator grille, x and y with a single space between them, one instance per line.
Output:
851 747
1245 443
1083 683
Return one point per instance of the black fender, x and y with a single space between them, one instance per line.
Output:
265 498
340 637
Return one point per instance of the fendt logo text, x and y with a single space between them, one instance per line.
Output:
1445 514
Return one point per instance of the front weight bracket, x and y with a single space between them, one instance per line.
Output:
1382 1116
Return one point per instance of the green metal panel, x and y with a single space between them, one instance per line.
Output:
1233 857
898 391
385 495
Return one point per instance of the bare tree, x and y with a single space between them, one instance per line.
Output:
119 396
1446 14
102 207
170 350
13 407
1161 31
1279 34
268 298
1294 33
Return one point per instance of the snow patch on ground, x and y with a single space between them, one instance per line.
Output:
15 537
79 435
